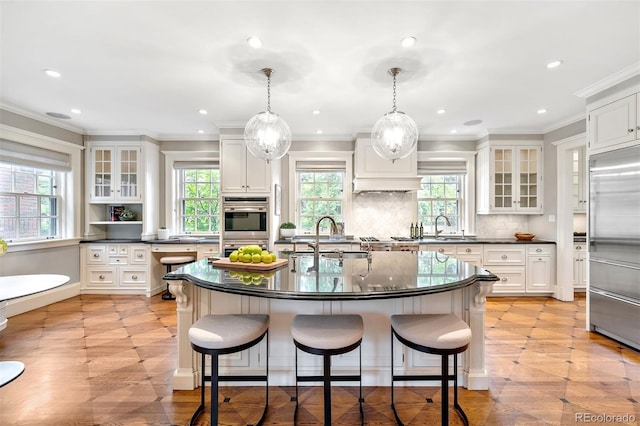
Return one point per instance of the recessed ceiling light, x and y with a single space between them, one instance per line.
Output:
53 73
542 111
254 42
58 115
76 111
315 112
202 111
554 64
454 131
472 122
408 41
319 131
441 111
201 131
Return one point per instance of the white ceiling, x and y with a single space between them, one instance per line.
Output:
147 67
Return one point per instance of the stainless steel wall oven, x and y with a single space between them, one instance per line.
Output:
245 218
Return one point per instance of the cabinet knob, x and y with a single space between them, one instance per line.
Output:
134 277
101 277
578 247
139 255
468 250
440 250
539 259
630 130
538 250
117 260
96 255
504 256
503 279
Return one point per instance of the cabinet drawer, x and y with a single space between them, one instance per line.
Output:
133 277
469 250
118 250
448 249
138 256
96 255
101 277
118 260
500 255
539 249
173 248
511 279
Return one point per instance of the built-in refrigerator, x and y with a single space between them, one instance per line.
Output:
614 244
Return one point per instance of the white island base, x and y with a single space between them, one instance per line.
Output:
468 303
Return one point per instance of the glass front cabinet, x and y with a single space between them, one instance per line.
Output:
510 178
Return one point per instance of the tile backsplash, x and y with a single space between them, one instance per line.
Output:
387 214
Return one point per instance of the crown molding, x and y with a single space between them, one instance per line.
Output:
565 122
41 117
612 80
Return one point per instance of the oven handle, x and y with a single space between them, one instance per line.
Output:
245 209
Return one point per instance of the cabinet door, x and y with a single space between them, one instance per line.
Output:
503 179
613 123
102 173
258 174
233 166
539 274
511 279
579 179
128 184
529 180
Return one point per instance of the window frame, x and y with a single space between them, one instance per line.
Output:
318 157
181 199
70 186
172 181
468 183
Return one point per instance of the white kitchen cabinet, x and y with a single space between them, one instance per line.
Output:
121 175
470 253
115 269
540 268
208 250
579 179
508 262
580 259
614 123
241 172
509 178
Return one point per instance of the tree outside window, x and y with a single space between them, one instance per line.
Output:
199 201
320 194
440 194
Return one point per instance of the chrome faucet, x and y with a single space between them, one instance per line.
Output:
316 246
435 222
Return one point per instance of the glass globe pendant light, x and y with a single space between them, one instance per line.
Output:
395 134
266 135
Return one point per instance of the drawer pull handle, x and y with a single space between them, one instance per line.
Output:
503 279
578 247
139 255
134 277
630 130
504 256
440 250
101 277
96 255
468 250
538 250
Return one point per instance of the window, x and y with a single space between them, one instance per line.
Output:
29 203
320 193
440 195
199 200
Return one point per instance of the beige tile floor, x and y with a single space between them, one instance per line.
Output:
108 360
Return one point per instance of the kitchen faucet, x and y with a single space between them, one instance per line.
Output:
437 232
316 246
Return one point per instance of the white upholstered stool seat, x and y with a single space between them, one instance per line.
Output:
328 335
217 335
172 261
441 334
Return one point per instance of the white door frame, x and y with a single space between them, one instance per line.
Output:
564 242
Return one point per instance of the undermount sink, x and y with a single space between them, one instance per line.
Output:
344 254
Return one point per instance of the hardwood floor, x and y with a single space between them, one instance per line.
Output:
109 360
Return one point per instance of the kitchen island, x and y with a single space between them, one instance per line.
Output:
375 285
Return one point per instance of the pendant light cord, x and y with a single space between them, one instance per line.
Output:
394 93
267 72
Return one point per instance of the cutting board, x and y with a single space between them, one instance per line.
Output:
226 263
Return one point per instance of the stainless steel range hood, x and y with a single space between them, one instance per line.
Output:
375 174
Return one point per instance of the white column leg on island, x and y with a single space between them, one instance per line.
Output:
185 376
475 372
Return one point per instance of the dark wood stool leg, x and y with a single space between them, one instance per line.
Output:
445 389
327 389
457 406
214 389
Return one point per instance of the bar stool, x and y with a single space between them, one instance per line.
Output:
217 335
172 261
441 334
328 335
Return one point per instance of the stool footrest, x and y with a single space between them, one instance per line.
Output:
344 378
259 378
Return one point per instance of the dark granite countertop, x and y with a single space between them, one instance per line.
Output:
185 240
426 240
385 275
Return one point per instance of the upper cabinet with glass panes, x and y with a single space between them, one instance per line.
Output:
509 177
115 173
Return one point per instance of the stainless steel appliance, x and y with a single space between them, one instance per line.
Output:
392 244
245 218
229 246
614 244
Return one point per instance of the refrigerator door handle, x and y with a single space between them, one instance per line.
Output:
615 297
608 262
